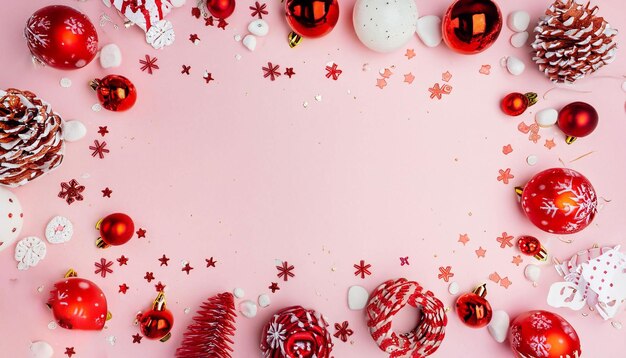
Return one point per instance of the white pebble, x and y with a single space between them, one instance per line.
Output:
111 340
518 20
65 82
624 86
96 107
187 310
305 104
532 159
532 273
357 297
237 37
453 288
41 349
547 117
52 325
259 27
318 97
264 300
110 56
499 325
519 39
248 308
616 324
239 292
249 42
515 66
429 30
74 131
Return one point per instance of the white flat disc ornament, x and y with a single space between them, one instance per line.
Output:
29 252
357 298
11 218
59 230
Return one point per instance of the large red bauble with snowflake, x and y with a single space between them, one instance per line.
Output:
61 37
78 304
115 229
471 26
312 18
559 201
543 334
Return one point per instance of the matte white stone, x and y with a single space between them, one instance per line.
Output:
41 349
259 27
519 39
518 21
249 42
532 159
499 325
74 131
532 273
248 308
264 300
110 56
239 292
453 288
65 82
547 117
429 30
515 66
357 297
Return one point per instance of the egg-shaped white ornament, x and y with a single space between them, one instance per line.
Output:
385 25
11 218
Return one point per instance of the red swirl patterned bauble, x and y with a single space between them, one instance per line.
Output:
78 304
559 201
312 18
543 334
61 37
296 332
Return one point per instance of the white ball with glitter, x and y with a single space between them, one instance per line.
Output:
383 25
11 218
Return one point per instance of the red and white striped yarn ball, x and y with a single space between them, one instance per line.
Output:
387 300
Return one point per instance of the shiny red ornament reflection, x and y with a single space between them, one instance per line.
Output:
514 104
61 37
559 201
158 321
531 246
543 334
221 8
312 18
471 26
473 308
78 303
577 119
115 93
115 229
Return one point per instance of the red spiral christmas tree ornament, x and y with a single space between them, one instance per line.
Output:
210 334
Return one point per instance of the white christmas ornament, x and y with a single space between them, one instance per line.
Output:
59 230
11 218
429 30
249 42
74 131
383 25
519 39
239 292
515 66
547 117
259 27
41 349
518 21
29 252
110 56
532 273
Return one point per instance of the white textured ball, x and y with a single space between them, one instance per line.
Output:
41 349
385 25
11 218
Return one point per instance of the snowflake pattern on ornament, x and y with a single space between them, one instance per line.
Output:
276 335
569 330
517 337
34 31
74 26
92 44
540 321
540 346
582 204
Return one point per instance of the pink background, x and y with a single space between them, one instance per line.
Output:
241 171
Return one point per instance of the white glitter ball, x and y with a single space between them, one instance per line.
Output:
52 325
66 82
96 107
532 160
237 37
239 292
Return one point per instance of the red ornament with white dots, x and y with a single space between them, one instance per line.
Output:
11 218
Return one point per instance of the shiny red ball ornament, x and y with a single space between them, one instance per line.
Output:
78 303
471 26
312 18
559 201
473 309
577 119
221 8
514 104
543 334
115 93
115 229
158 321
531 246
61 37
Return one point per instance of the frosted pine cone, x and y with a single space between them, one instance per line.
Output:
31 137
571 41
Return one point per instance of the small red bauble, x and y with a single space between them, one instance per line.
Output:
471 26
157 322
312 18
577 119
473 309
115 93
514 104
78 303
543 334
115 229
531 246
221 8
61 37
559 201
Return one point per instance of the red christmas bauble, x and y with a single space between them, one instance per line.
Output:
117 229
115 93
221 8
473 310
543 334
158 321
529 245
471 26
312 18
559 201
61 37
78 304
578 119
514 104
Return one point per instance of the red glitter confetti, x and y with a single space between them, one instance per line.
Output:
103 267
210 262
258 10
208 21
185 70
463 239
208 77
333 71
284 271
505 240
149 64
69 351
159 287
271 71
342 331
222 24
195 12
71 191
480 252
149 276
193 38
122 260
164 260
123 288
187 268
505 175
106 192
137 338
98 149
103 130
445 273
404 261
141 233
362 269
289 72
274 287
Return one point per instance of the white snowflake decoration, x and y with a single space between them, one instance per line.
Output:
34 31
74 26
161 34
59 230
276 336
540 322
540 346
92 44
29 252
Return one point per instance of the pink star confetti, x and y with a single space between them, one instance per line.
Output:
387 73
98 149
436 91
534 137
271 71
381 83
258 10
71 191
463 239
505 240
404 261
495 277
408 78
507 149
445 273
446 76
342 331
284 271
333 71
362 269
505 175
549 144
106 192
505 282
149 64
410 53
485 69
480 252
523 127
103 267
517 260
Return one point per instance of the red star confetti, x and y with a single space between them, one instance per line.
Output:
69 351
485 69
123 288
463 239
222 24
284 271
149 64
446 76
289 72
271 71
507 149
194 38
71 191
103 130
480 252
274 287
404 261
258 10
208 21
410 53
505 175
185 70
106 192
103 267
208 77
549 144
141 233
159 287
362 269
494 277
381 83
505 240
122 260
149 276
164 260
210 262
505 282
386 73
517 260
342 331
436 91
445 273
98 149
408 78
333 71
137 338
195 12
187 268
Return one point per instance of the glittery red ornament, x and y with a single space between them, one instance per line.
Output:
312 18
158 321
559 201
543 334
473 309
514 104
115 229
471 26
577 119
78 303
115 93
61 37
531 246
221 8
